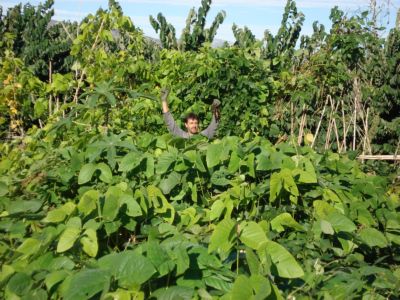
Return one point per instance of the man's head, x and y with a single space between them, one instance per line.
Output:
192 123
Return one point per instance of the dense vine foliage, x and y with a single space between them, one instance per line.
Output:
97 200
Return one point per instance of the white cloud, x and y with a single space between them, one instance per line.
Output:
61 14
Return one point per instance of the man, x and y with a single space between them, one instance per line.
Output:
191 120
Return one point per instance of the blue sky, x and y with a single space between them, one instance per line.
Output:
258 15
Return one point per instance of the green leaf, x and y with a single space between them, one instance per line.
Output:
340 222
40 107
172 180
61 262
323 208
21 206
106 174
234 162
58 215
112 203
86 283
3 189
165 161
160 203
86 173
275 293
219 178
128 267
218 283
252 235
263 162
288 182
393 238
261 286
213 156
305 177
159 258
199 163
285 219
69 235
88 202
55 277
242 288
133 208
181 258
19 284
286 265
250 165
55 216
67 239
149 166
173 293
275 186
130 161
216 209
29 246
326 227
223 236
252 262
89 242
373 238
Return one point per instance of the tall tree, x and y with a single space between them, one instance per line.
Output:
194 35
42 44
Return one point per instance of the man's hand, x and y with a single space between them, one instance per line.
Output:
215 109
164 97
164 94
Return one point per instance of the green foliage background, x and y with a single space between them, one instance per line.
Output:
97 200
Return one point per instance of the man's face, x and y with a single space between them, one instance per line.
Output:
192 126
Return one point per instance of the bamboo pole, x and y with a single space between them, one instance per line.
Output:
380 157
83 71
291 118
57 103
337 136
320 121
347 130
344 144
335 126
302 123
357 99
66 31
398 146
50 81
331 122
354 125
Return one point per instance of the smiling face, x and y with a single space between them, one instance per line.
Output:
192 126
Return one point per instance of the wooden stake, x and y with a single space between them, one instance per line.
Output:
302 124
337 136
344 144
291 118
320 120
331 123
50 81
355 113
380 157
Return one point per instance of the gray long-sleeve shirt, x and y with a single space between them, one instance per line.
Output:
176 130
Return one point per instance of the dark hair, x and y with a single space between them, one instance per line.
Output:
191 116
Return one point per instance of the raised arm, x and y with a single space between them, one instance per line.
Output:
168 118
212 128
164 100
